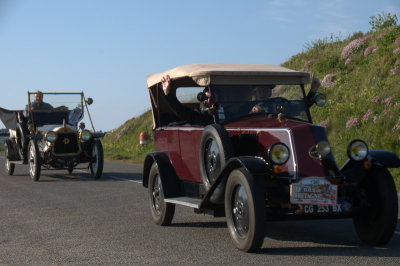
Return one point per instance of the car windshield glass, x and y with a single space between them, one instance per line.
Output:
55 102
237 101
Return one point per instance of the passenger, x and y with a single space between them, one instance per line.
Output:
183 112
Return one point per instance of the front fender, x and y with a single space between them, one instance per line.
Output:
169 178
253 165
354 170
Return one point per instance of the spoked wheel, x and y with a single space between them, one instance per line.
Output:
96 165
162 212
34 160
8 166
245 211
215 150
376 221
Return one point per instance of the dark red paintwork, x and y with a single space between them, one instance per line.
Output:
252 136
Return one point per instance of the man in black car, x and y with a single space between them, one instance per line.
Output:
38 103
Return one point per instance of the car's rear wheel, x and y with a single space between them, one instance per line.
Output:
97 160
34 160
8 166
162 212
215 150
376 220
22 141
245 211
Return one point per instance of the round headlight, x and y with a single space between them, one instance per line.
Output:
279 153
85 135
357 150
51 136
323 148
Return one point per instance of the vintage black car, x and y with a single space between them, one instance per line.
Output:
48 135
253 158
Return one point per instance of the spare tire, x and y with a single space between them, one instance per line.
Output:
215 149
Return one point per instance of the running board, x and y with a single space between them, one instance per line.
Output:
16 162
185 201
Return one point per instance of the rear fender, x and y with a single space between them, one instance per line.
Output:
169 178
255 166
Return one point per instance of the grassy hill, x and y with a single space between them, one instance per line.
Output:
360 76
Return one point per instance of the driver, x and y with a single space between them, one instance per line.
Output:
38 103
260 94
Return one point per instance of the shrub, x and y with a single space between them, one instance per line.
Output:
382 21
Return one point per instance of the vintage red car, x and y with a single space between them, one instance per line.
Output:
249 151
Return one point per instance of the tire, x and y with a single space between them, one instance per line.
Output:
162 212
34 160
245 211
96 166
215 150
376 222
8 166
22 141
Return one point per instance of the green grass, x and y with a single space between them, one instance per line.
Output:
361 86
123 143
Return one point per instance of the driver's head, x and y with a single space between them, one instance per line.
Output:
38 97
260 93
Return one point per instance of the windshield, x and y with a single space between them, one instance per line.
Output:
53 108
55 102
237 101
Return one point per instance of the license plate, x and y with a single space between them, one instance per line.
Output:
313 191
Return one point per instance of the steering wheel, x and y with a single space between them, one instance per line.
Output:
280 103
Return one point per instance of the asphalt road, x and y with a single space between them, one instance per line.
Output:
73 219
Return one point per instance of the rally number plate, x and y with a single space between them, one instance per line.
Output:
313 191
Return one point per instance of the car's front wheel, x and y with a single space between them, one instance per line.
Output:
34 160
162 212
376 220
8 166
245 211
97 160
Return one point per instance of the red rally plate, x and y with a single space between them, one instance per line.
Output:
313 190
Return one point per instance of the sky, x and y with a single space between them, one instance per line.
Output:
107 48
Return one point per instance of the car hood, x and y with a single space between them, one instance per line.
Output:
254 136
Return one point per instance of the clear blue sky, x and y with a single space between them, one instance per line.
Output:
107 48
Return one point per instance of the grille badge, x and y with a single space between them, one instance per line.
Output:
66 141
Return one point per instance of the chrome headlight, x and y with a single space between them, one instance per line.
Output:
279 153
85 135
50 136
357 150
320 150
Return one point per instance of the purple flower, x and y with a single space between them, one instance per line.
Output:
387 101
353 46
375 99
375 50
348 60
381 35
351 122
327 81
375 118
397 41
368 51
324 123
393 71
397 50
366 115
396 127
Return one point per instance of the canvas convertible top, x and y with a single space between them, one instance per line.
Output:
9 118
230 74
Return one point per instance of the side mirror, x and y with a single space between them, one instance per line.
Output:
201 97
89 101
320 100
